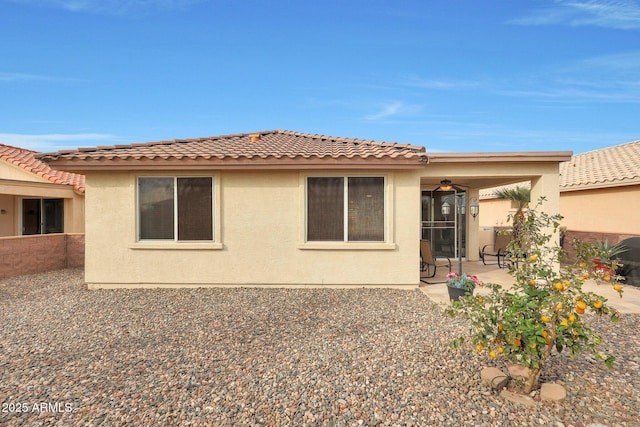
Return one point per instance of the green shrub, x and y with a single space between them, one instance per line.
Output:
544 308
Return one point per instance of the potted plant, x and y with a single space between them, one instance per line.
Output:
460 285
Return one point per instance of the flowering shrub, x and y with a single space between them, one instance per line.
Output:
466 282
543 309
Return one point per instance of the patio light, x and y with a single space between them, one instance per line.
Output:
445 185
445 209
474 208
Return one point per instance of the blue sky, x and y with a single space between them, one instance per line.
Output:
467 75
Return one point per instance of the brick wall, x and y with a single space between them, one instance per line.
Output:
36 254
592 238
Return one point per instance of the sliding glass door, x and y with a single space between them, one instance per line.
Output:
42 216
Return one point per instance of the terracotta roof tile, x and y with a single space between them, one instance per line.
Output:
607 167
26 159
272 146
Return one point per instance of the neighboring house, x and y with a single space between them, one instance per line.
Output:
599 195
281 208
41 215
35 199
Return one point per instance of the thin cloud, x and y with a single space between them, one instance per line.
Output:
422 83
476 136
617 14
14 77
606 78
111 7
392 109
10 77
54 141
622 62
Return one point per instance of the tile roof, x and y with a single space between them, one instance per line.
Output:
607 167
276 147
26 159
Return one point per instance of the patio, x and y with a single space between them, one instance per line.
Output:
437 290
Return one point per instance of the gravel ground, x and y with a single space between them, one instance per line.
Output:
70 356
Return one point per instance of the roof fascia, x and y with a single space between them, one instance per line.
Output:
501 157
599 185
30 188
87 165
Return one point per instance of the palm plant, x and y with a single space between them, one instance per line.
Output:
521 197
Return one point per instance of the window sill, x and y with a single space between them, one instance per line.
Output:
177 246
348 246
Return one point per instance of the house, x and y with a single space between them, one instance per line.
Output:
41 214
282 208
35 199
599 195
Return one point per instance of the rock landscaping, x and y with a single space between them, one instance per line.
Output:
246 356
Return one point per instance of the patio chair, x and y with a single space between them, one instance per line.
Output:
498 249
429 261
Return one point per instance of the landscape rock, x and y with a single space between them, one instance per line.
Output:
517 398
494 377
518 372
253 357
550 392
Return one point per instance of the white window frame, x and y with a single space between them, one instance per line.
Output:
345 244
214 243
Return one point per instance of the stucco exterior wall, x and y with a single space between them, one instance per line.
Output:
7 215
606 210
13 172
611 212
495 212
259 237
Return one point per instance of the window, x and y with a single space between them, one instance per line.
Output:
42 216
346 209
175 208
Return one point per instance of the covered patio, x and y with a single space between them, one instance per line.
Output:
450 186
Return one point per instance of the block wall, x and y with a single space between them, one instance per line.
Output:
35 254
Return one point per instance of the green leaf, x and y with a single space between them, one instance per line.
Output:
609 362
